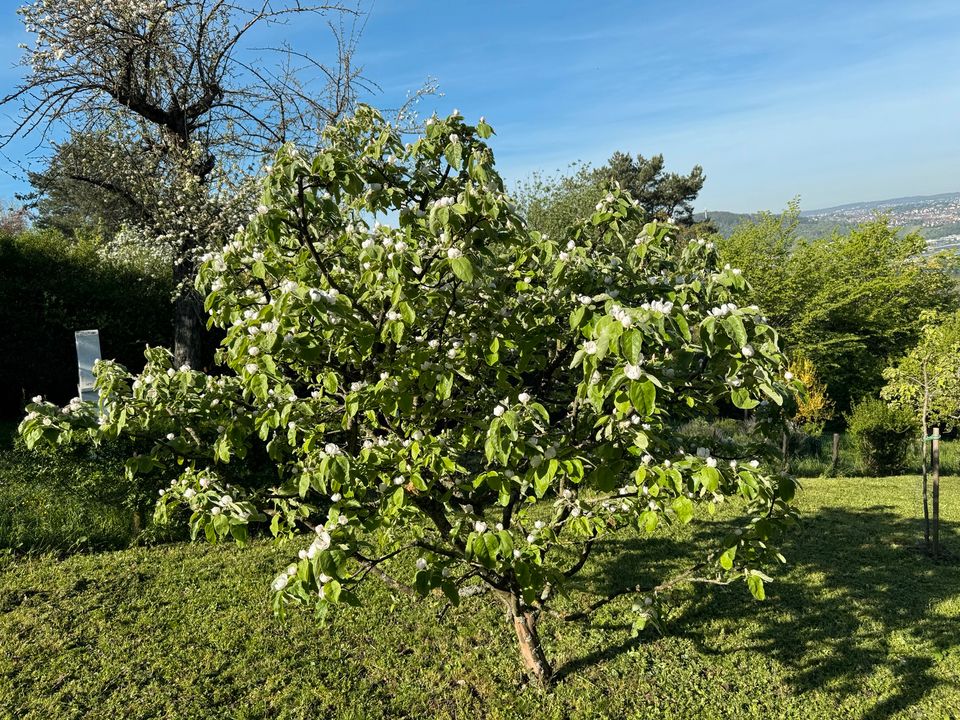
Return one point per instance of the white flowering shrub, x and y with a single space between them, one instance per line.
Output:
436 383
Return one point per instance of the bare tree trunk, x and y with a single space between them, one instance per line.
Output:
524 620
189 328
935 468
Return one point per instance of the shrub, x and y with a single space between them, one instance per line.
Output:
51 286
453 388
882 435
814 407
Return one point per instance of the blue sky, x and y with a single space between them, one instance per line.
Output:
832 101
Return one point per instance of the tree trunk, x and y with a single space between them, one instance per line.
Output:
524 620
188 319
137 523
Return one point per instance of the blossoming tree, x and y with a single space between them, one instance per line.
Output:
438 385
168 113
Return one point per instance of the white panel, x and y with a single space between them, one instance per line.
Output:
88 352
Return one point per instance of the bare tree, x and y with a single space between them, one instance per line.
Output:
168 109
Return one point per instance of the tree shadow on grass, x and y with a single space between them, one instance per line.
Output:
858 597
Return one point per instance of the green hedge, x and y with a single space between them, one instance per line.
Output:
50 286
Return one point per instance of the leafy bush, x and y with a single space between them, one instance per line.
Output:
453 389
729 439
51 286
882 435
814 407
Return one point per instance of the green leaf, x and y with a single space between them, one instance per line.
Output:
710 477
444 386
643 394
331 591
454 154
239 533
756 587
741 398
462 268
493 355
726 559
631 344
735 329
330 383
771 393
683 507
576 317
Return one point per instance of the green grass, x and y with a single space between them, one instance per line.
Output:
44 508
860 625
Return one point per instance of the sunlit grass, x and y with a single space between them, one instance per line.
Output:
860 624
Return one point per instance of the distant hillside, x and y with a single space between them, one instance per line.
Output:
936 217
893 204
810 227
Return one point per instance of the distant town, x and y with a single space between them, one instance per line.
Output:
936 217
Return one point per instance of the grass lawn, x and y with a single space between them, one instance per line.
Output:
860 625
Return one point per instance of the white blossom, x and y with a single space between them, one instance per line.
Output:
331 449
280 583
323 538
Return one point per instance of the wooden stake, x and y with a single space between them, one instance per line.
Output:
935 472
835 454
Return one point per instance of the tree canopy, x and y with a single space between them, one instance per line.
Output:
435 380
847 303
552 204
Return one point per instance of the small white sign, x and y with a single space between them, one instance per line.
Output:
88 352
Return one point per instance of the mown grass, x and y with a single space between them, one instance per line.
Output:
42 508
860 625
